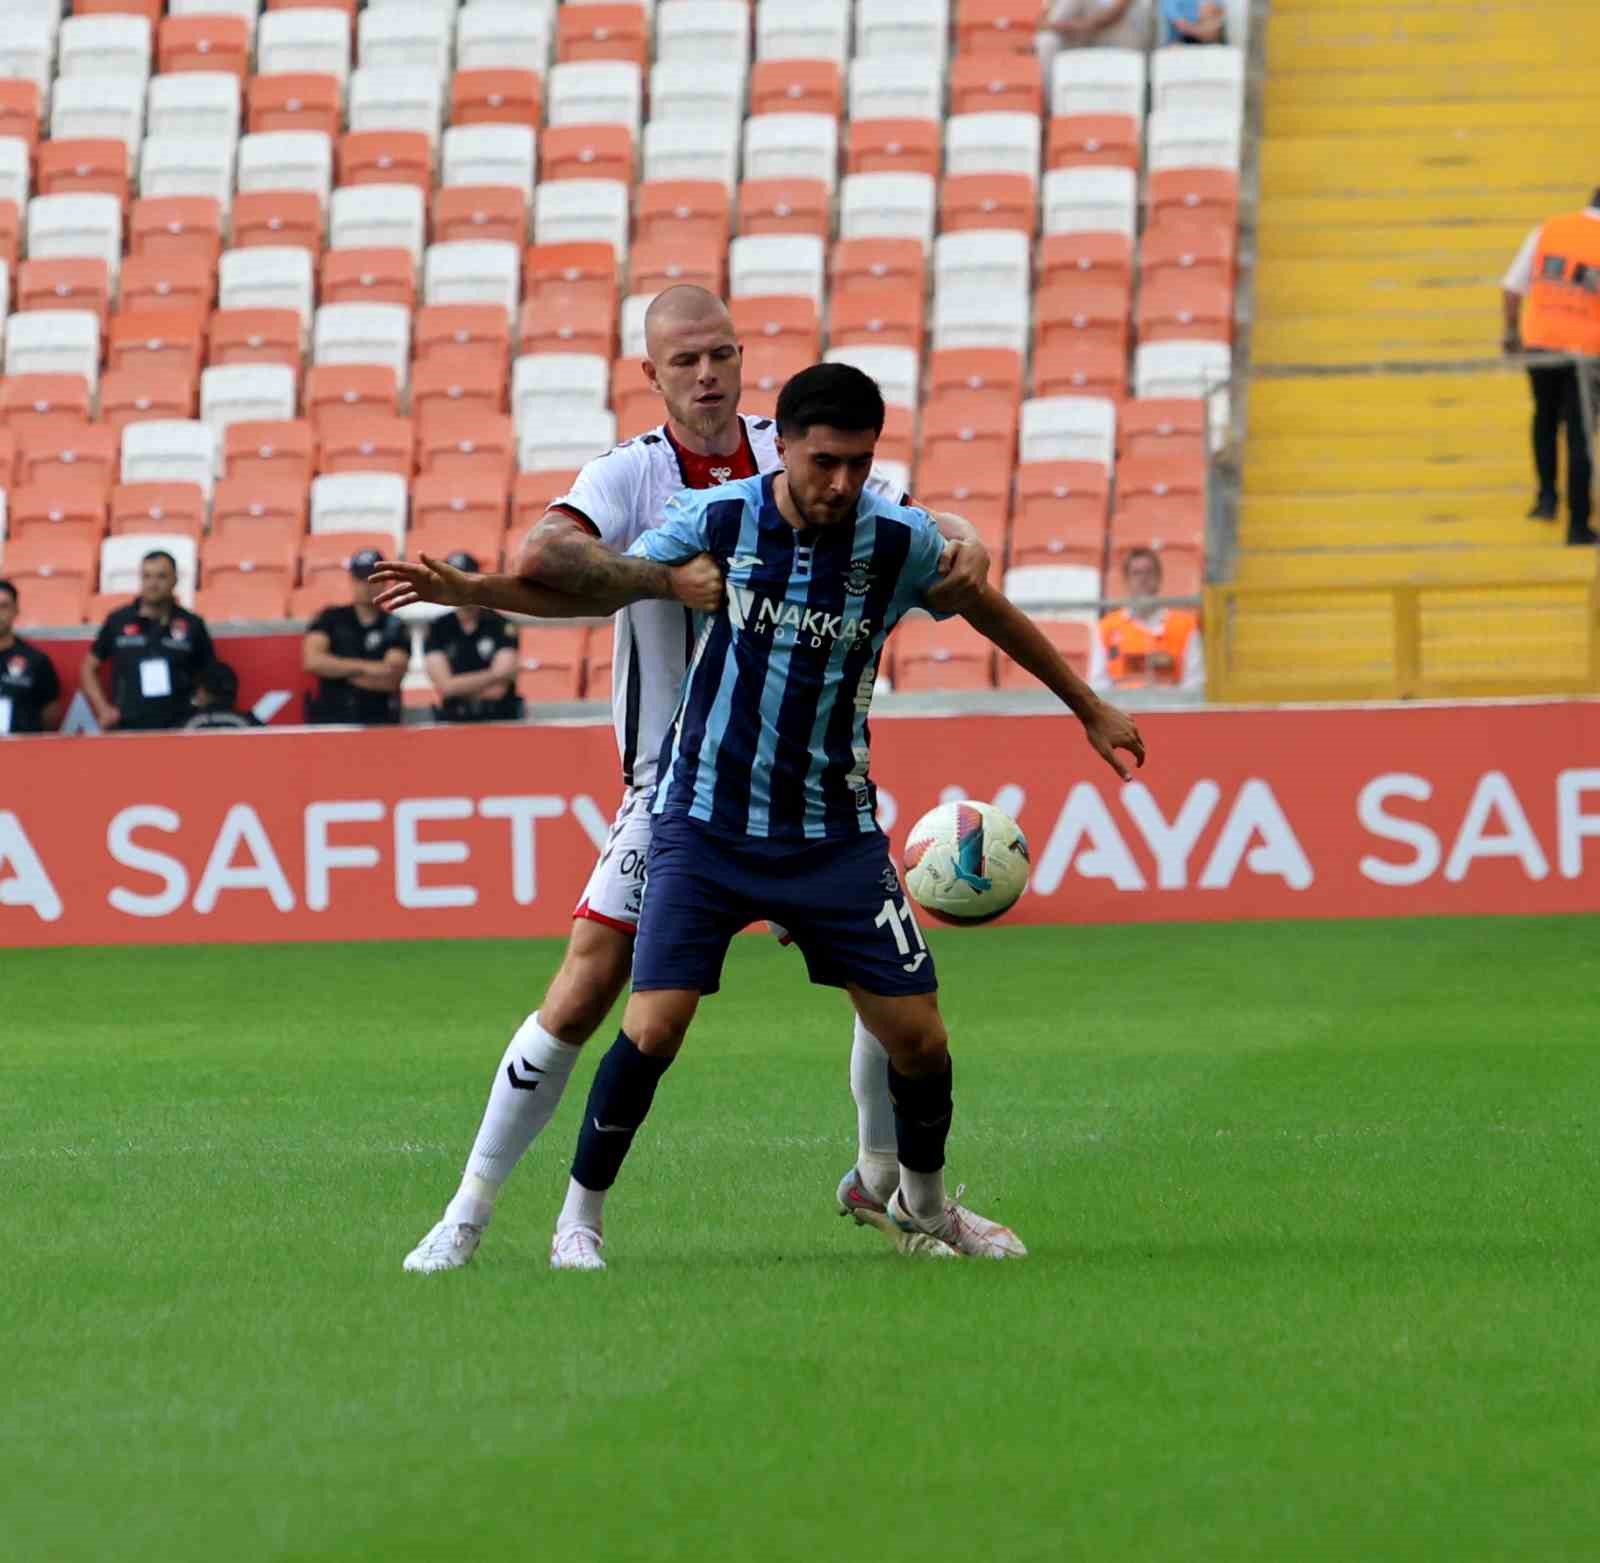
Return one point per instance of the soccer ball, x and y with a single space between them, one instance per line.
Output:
966 862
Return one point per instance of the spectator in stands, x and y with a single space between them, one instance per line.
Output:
471 658
30 692
156 650
1145 645
358 653
1082 24
1551 304
216 700
1193 21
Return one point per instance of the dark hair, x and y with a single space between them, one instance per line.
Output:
219 681
160 553
839 396
7 586
1141 553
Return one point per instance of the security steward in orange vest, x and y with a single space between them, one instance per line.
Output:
1145 646
1551 304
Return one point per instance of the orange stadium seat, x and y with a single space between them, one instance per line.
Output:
1069 636
150 10
785 206
898 441
8 456
264 551
878 266
960 372
67 450
558 275
28 400
465 441
325 589
167 282
1170 489
385 157
254 336
241 599
1074 312
998 26
549 323
156 339
386 276
447 384
497 212
370 443
597 663
949 655
996 84
176 225
1060 500
893 146
19 110
83 167
655 264
496 97
279 218
42 556
137 395
335 391
531 493
270 451
587 151
1193 249
328 553
1162 426
348 7
668 207
976 430
61 599
204 43
550 661
158 507
1092 141
98 606
10 232
797 87
1075 368
1177 306
785 318
294 100
994 201
458 510
603 32
1185 194
635 401
876 319
444 334
979 490
72 282
1086 257
271 511
58 513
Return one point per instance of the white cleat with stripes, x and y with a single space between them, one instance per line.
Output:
965 1231
448 1246
576 1248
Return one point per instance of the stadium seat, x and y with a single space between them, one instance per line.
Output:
1076 313
878 266
231 597
122 555
467 212
797 86
1161 425
988 258
792 146
10 232
692 149
1069 636
893 146
104 46
997 28
579 325
1174 307
703 32
175 451
1097 200
363 334
473 272
57 341
877 318
710 92
62 515
375 217
134 395
577 211
157 339
496 37
287 160
393 101
465 443
595 92
1066 591
98 167
897 440
96 107
791 319
896 88
176 226
771 264
43 557
369 277
903 27
246 393
992 143
16 171
336 391
455 381
300 42
255 336
664 263
932 655
576 436
262 551
269 451
767 365
27 50
997 82
405 37
820 30
20 104
1086 257
489 155
1194 249
329 588
1192 138
1068 428
634 308
1060 511
975 317
182 165
1098 81
1203 80
204 43
302 101
543 384
451 510
261 516
963 374
888 206
1167 489
1182 369
65 284
267 277
158 507
894 368
1079 365
1093 141
550 662
684 209
189 103
602 32
373 443
328 554
385 157
531 494
953 479
167 283
463 334
768 206
360 502
979 430
635 401
56 600
989 202
494 96
27 400
75 225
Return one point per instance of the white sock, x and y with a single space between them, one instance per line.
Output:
876 1159
516 1112
583 1207
922 1193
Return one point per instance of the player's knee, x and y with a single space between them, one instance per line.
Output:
926 1052
572 1010
657 1021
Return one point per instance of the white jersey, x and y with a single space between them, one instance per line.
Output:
622 494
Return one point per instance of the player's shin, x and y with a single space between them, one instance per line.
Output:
619 1100
923 1106
876 1153
527 1087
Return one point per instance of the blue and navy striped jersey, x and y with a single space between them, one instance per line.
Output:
770 737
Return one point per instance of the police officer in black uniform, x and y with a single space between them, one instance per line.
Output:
30 692
471 658
359 655
156 650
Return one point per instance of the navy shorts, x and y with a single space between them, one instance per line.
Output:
841 901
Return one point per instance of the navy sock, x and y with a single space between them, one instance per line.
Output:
922 1112
624 1086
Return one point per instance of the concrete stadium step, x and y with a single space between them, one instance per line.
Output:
1487 244
1437 444
1360 403
1417 566
1425 27
1469 518
1509 471
1302 116
1318 339
1443 285
1375 211
1476 160
1564 81
1289 53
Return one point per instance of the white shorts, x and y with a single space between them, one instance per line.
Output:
616 887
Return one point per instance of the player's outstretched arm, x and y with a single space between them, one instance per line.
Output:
561 557
1106 727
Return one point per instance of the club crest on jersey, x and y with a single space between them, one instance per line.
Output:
858 578
485 646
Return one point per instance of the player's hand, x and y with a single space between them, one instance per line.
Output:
112 718
697 583
1109 729
427 580
964 567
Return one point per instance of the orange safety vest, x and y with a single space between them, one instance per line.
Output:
1562 310
1129 643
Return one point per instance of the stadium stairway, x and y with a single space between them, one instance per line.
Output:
1406 151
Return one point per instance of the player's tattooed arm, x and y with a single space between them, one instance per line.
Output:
1105 726
561 557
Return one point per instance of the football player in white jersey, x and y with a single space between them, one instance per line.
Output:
694 362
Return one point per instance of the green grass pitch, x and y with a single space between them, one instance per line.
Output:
1311 1208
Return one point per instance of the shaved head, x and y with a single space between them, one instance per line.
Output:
692 358
675 308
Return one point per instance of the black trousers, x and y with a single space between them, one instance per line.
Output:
1557 402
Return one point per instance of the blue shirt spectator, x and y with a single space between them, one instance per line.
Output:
1192 21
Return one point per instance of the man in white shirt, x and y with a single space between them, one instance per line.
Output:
1086 24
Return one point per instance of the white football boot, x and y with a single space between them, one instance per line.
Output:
855 1199
448 1246
576 1248
963 1230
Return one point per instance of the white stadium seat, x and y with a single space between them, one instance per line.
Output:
1045 590
187 165
312 42
566 440
1090 200
1068 428
692 149
194 103
888 206
903 27
792 146
979 317
27 51
704 32
407 37
16 171
113 107
54 341
1201 369
104 45
981 258
490 155
887 86
1187 80
575 211
268 276
245 393
895 369
818 30
60 226
595 92
360 502
473 271
377 217
698 90
169 450
503 34
392 98
543 384
363 334
286 160
1199 138
762 264
631 326
1098 81
1001 143
122 558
